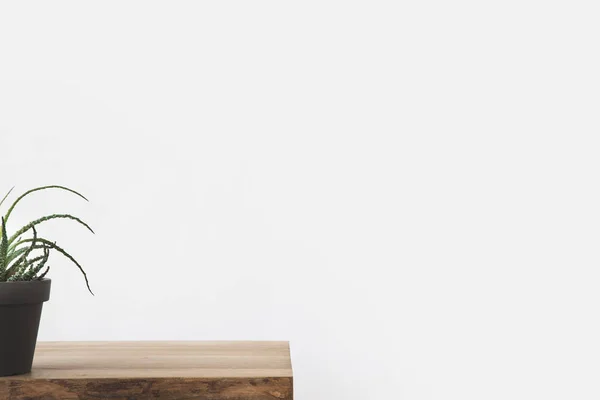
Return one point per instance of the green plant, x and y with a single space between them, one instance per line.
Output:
24 259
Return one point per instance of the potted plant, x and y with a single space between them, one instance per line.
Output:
24 286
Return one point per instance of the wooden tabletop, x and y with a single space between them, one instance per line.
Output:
165 370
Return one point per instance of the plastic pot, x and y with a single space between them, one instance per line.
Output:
20 311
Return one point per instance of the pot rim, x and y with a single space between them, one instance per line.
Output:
24 292
28 282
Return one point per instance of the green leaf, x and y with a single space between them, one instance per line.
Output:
38 189
5 196
14 251
12 255
26 253
29 275
15 264
46 218
12 247
3 251
67 255
21 272
39 278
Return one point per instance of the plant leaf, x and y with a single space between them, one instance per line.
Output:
44 273
19 252
38 189
26 253
12 255
14 251
12 247
21 272
64 253
5 196
29 275
46 218
3 251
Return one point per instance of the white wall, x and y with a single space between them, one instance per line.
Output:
408 191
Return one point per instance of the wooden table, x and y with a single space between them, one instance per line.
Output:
155 370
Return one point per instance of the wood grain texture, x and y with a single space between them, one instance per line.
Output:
155 370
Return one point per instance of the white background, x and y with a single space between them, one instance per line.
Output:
407 191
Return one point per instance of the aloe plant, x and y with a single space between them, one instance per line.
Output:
25 259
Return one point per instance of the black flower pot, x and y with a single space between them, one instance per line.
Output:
20 312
